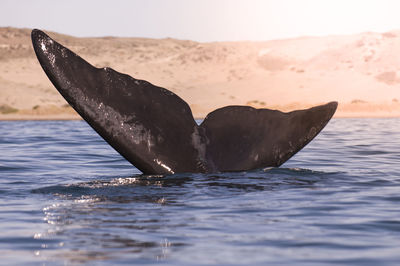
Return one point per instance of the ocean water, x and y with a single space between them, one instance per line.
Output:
67 198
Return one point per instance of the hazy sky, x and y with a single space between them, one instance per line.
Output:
203 20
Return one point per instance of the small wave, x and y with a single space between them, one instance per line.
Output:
152 187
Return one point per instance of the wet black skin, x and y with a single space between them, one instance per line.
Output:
154 129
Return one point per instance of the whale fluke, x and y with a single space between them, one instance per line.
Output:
154 129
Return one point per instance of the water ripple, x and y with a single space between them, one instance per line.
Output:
67 198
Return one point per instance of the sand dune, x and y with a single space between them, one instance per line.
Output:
361 71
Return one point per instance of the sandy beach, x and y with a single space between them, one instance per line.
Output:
360 71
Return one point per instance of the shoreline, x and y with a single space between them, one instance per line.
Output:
53 117
72 117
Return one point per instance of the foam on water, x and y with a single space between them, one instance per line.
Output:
66 197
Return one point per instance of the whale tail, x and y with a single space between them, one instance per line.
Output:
154 129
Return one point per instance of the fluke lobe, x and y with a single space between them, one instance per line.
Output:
154 129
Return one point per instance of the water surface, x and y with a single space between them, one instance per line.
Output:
66 197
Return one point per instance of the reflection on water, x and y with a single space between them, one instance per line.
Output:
67 197
140 208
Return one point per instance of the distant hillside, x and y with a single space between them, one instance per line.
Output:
361 71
